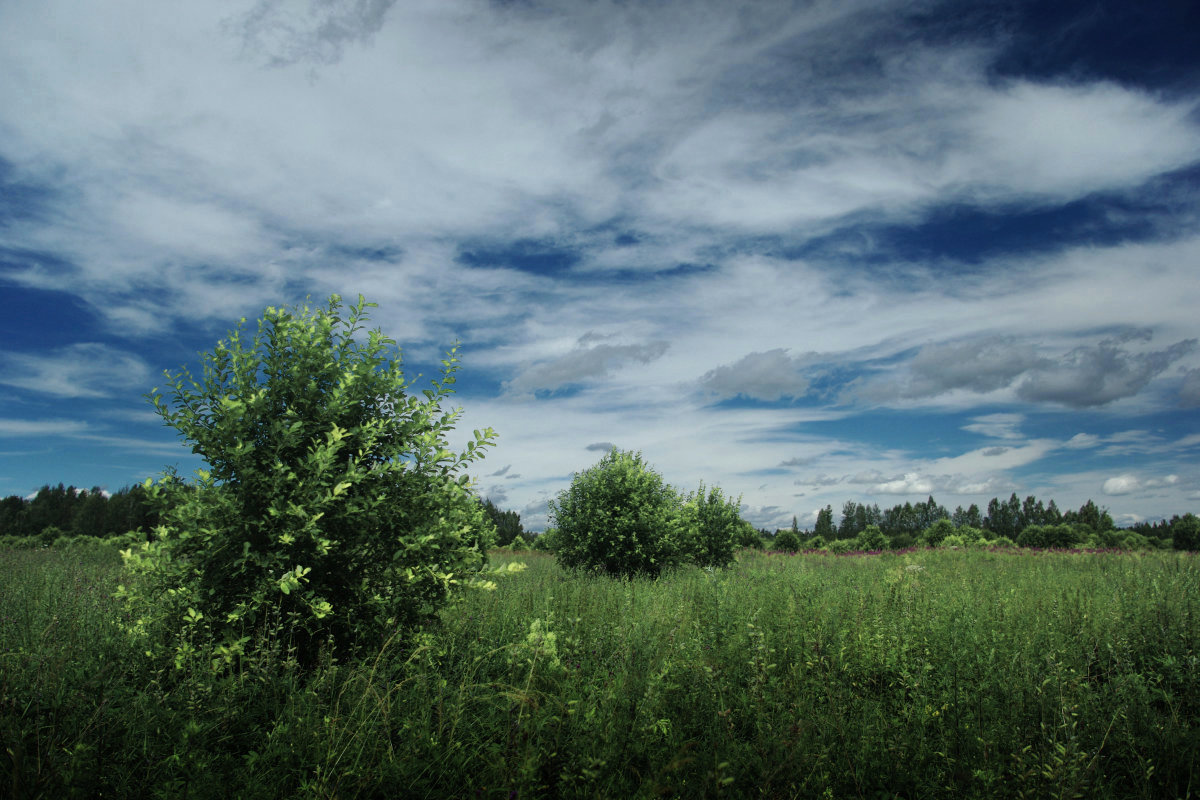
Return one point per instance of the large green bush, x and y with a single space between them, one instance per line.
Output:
1185 532
618 517
331 502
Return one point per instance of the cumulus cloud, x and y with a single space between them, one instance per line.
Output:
770 375
1129 483
1086 376
588 361
80 370
1095 376
918 483
977 366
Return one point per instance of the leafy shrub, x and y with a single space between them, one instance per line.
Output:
1186 532
545 541
1001 541
871 538
935 533
817 543
50 534
840 546
970 535
710 523
618 517
786 541
1057 536
518 543
747 535
953 540
332 501
900 541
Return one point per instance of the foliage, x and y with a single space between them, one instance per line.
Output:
518 543
618 517
786 541
1186 533
546 541
507 523
824 527
935 533
77 512
932 674
710 525
870 538
746 535
332 502
1060 536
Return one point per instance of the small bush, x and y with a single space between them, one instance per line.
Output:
518 543
710 523
786 541
901 541
618 517
544 542
871 538
935 533
841 546
747 536
1001 541
970 535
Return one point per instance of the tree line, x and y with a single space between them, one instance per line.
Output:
903 524
67 511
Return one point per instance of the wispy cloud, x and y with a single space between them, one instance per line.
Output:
81 370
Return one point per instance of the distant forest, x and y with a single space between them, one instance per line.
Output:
1003 518
67 511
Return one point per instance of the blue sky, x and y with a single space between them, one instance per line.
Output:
806 251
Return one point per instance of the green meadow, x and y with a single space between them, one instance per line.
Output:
923 674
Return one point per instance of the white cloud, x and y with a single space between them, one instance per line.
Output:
1129 484
80 370
41 427
1082 441
997 426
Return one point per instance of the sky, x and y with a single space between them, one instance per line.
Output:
808 252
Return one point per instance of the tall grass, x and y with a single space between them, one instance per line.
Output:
925 674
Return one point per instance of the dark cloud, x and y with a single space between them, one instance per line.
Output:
799 461
994 451
602 447
283 34
977 366
1096 376
1088 376
1189 393
584 363
771 375
500 472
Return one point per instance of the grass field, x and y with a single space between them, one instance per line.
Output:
934 673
